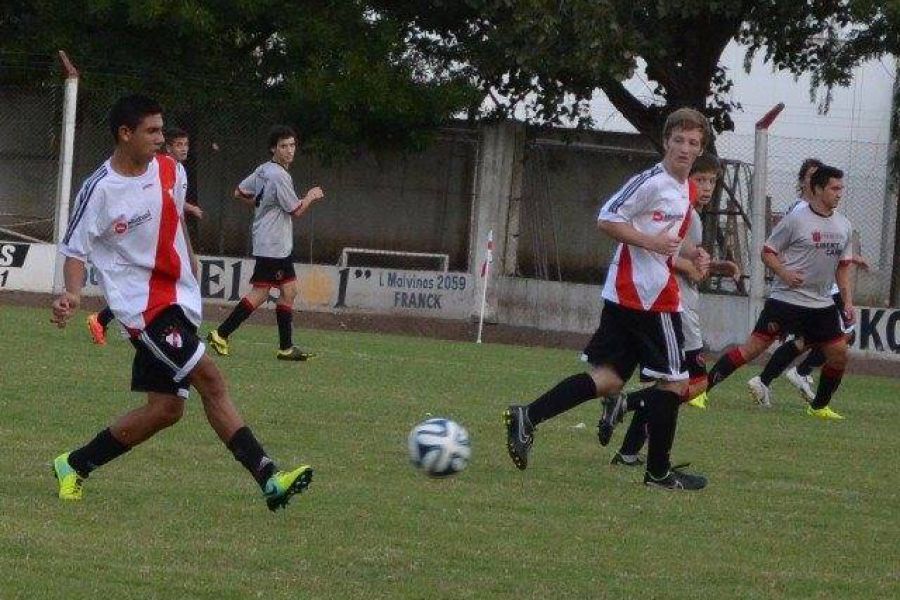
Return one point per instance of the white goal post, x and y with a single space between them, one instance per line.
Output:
442 261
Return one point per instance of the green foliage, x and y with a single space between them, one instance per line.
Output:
329 67
553 55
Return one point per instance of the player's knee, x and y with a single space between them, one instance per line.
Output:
836 356
169 413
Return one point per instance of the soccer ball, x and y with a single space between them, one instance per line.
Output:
439 447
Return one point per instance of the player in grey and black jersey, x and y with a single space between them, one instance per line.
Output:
809 250
270 191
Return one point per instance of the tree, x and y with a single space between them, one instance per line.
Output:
553 55
331 68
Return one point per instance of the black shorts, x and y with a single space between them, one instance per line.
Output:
817 326
166 352
696 365
627 338
272 272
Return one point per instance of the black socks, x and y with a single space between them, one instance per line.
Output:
96 453
240 313
247 451
284 315
567 394
779 362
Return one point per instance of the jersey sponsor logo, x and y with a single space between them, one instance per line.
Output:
659 215
147 186
830 242
121 226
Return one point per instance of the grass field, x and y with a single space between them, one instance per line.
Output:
796 507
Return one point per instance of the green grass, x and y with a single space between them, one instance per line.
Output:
796 507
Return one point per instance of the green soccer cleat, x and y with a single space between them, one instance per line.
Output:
699 401
70 482
824 413
284 484
294 353
218 343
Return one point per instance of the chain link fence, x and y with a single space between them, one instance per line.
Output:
417 202
29 148
865 201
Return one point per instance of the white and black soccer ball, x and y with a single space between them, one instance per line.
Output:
439 447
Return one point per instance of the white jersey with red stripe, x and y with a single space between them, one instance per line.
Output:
651 202
130 229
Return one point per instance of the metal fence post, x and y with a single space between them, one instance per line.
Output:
758 213
64 173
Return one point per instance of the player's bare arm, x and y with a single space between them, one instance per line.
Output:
195 264
843 276
67 303
313 195
726 268
688 269
791 278
193 210
665 243
244 197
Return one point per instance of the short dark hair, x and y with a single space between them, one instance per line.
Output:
707 163
280 132
806 165
823 174
129 111
174 133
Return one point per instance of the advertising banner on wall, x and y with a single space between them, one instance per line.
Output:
435 294
26 267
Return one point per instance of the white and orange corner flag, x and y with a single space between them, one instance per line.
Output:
489 255
485 269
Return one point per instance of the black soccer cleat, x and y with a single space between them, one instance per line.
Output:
613 412
676 480
519 435
618 459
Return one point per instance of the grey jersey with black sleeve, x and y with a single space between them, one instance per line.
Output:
813 245
690 292
273 191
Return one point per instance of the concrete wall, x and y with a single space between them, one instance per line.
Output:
565 183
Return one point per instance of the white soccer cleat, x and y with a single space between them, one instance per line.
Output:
760 392
802 383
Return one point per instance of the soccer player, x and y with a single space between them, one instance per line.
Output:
128 222
809 251
177 146
704 174
801 375
270 190
640 323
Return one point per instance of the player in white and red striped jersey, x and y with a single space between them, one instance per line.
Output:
640 324
128 222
